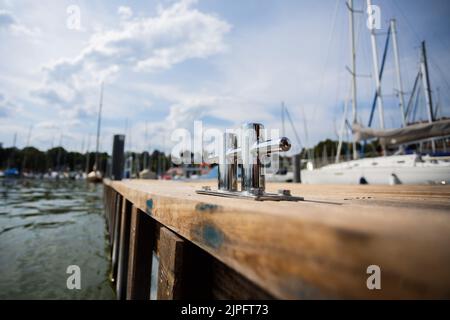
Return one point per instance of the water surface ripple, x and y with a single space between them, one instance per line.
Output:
45 226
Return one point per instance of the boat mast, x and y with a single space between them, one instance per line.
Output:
426 83
397 69
341 132
30 130
376 72
427 87
11 156
98 128
353 70
87 154
283 134
282 130
24 162
437 108
58 159
145 160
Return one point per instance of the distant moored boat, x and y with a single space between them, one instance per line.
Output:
95 176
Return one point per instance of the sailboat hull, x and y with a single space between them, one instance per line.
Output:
94 177
405 169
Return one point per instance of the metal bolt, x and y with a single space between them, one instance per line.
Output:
284 192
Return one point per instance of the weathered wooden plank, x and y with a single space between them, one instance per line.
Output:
196 273
122 261
107 205
170 280
227 284
115 245
115 198
140 255
319 247
110 209
204 277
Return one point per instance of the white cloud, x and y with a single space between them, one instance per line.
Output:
58 95
6 19
9 23
6 107
187 106
136 45
46 125
125 12
176 34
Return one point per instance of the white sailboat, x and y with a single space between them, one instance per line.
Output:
398 168
395 169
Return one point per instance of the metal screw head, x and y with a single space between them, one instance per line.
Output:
284 192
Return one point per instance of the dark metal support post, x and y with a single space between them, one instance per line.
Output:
118 157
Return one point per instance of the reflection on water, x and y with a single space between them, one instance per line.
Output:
45 226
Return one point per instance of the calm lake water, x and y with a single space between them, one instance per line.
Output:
45 226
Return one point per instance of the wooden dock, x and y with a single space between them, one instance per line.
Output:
220 248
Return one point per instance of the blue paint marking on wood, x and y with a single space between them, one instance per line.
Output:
207 207
149 206
213 236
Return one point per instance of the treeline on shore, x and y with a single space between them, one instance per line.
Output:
329 148
30 159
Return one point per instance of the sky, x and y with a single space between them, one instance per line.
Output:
166 64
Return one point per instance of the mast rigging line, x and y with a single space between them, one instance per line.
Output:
342 128
99 121
330 36
349 126
438 104
297 137
418 38
416 81
380 75
416 103
305 128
